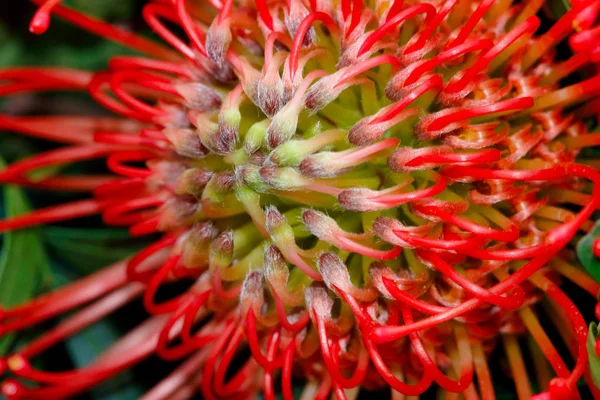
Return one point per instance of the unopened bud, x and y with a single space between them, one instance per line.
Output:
320 94
318 301
320 225
283 126
296 14
359 199
165 173
186 142
281 178
221 251
199 97
193 180
384 227
270 95
250 175
229 128
336 277
196 246
219 141
322 165
252 294
277 225
218 39
256 136
217 187
177 211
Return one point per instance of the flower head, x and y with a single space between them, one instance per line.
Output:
366 195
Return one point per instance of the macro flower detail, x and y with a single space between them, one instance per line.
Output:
362 195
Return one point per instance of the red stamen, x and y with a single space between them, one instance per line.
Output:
111 32
392 24
301 33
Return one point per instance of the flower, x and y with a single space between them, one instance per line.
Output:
366 195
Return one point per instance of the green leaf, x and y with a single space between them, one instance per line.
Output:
106 9
86 249
585 252
559 7
23 262
594 360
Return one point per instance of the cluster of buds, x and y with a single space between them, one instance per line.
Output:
367 195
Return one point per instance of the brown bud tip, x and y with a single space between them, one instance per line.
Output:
186 142
318 223
270 96
363 133
318 301
165 173
226 138
274 218
333 270
224 180
177 211
358 199
252 294
217 41
199 97
275 265
194 180
320 165
223 244
269 174
258 158
203 232
337 278
319 95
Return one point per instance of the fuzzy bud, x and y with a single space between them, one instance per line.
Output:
336 277
281 178
199 97
256 136
193 181
217 187
252 294
250 176
186 142
320 94
384 227
283 126
320 225
221 251
229 128
322 165
196 246
277 274
270 94
296 13
278 226
177 211
218 39
219 141
318 301
360 199
165 173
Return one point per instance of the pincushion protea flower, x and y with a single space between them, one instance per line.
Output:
366 194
